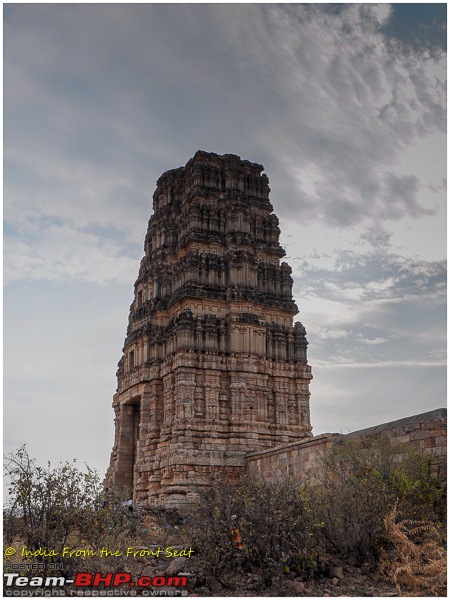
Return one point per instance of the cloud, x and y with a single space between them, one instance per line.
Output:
326 85
357 109
61 253
371 341
381 12
377 237
373 307
375 275
325 334
401 191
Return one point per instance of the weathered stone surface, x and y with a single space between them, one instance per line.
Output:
302 458
297 586
213 367
175 566
336 572
151 571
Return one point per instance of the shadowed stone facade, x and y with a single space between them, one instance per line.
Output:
213 367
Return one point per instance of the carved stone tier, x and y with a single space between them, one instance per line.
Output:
212 366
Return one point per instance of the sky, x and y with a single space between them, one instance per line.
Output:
344 105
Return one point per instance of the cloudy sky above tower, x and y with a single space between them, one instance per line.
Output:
344 105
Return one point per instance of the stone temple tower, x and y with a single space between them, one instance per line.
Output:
213 367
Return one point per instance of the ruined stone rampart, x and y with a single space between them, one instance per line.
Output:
426 433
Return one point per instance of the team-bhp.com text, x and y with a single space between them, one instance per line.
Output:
94 580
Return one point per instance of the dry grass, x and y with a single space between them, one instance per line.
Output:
416 561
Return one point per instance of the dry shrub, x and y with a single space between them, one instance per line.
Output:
350 498
255 527
415 560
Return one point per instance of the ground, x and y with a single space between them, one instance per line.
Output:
338 577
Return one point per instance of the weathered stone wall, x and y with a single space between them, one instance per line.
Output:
426 433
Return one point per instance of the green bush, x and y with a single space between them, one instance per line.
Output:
56 507
46 505
355 488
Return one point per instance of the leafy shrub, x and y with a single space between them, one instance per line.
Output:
266 529
421 493
48 504
56 507
356 488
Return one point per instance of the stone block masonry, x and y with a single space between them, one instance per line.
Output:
426 433
213 378
213 366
